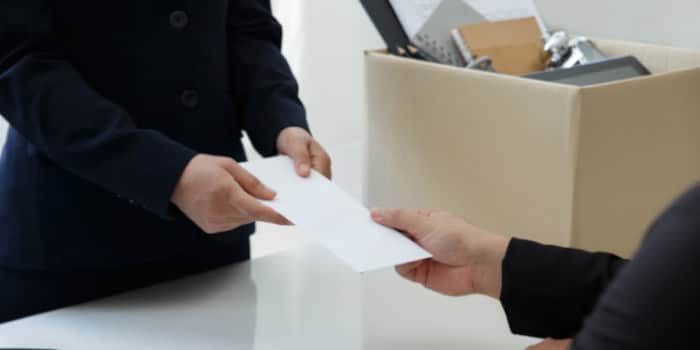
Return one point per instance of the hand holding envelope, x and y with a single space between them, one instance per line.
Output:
335 219
218 195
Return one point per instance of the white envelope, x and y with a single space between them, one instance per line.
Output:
335 219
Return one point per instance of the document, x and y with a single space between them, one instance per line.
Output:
414 13
333 217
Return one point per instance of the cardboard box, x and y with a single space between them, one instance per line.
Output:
585 167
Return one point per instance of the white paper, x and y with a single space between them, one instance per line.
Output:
414 13
335 219
499 10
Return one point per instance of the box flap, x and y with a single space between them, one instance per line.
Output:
658 59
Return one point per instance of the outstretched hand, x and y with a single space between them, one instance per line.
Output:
551 344
465 259
219 195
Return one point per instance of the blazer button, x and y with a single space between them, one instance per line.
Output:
189 98
179 19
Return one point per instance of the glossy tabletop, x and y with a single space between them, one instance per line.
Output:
304 298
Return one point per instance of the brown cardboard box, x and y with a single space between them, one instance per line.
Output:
514 46
586 167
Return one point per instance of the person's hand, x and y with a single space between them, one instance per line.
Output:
465 258
306 152
218 195
551 344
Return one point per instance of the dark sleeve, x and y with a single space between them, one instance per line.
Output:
653 303
263 84
48 102
548 291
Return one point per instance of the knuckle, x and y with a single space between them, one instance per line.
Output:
210 224
250 210
254 212
221 187
301 156
228 163
399 215
442 215
209 228
393 213
237 198
211 221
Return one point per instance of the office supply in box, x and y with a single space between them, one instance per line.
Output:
583 51
384 18
605 71
481 63
588 167
556 45
434 36
514 46
414 13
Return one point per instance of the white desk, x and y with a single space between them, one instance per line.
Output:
300 299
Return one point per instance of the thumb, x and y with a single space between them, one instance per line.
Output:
412 222
299 152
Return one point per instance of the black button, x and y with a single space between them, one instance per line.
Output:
179 19
189 98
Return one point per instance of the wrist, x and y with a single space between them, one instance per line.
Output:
288 134
489 265
177 197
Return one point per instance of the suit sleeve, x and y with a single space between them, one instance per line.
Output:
49 103
263 84
548 291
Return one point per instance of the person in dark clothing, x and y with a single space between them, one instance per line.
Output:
598 299
126 123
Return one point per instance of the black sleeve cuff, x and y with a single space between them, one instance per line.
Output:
285 113
547 291
161 165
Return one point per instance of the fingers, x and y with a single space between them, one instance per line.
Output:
307 154
408 271
299 152
551 344
257 211
320 161
424 212
415 224
248 182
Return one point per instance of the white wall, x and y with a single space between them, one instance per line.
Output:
667 22
326 42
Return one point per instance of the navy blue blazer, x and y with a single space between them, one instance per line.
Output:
108 101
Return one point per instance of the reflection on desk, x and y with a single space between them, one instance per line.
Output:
301 299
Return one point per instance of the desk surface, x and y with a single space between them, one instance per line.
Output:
301 299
